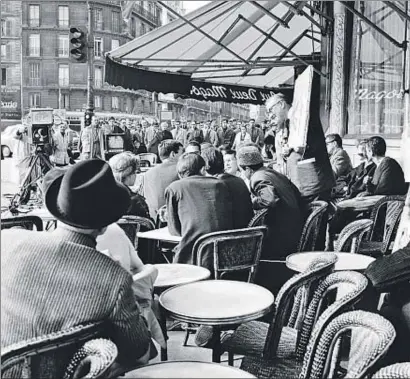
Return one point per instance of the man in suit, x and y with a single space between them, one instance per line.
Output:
52 281
388 178
196 205
158 178
226 135
257 135
339 159
240 196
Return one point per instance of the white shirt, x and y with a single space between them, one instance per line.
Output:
115 244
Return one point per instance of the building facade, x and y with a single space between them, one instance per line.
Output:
11 60
35 59
371 74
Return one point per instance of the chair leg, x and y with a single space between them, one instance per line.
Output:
230 358
187 333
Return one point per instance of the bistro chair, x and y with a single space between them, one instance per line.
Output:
235 252
150 157
70 353
254 337
396 371
386 216
132 225
311 229
322 358
24 222
352 234
259 218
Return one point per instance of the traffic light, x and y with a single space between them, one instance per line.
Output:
87 118
78 45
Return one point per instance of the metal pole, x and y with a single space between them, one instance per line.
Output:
90 59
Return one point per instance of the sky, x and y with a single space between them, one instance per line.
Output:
193 4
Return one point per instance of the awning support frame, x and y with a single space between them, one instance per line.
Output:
301 12
375 27
282 46
271 15
201 31
397 10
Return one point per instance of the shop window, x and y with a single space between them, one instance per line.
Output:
377 80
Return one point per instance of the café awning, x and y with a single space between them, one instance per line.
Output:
232 51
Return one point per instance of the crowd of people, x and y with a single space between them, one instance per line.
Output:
208 178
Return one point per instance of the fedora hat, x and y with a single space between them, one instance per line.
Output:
87 195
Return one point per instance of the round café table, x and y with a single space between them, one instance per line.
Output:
217 303
359 204
346 261
188 369
175 274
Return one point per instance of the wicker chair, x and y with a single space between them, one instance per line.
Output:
387 212
132 225
310 232
396 371
234 252
352 234
322 357
259 218
49 356
150 157
25 222
260 338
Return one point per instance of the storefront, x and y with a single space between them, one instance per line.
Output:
377 73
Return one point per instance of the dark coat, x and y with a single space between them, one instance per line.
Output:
156 180
58 280
241 200
285 217
388 179
197 205
226 137
340 162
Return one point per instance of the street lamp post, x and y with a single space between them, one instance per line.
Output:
90 60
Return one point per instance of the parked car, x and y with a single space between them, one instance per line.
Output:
8 141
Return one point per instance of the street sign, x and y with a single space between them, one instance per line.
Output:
42 116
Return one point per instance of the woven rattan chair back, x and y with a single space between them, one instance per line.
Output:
49 356
131 225
386 213
25 222
150 157
323 266
92 360
316 211
320 361
352 286
259 218
396 371
233 251
352 234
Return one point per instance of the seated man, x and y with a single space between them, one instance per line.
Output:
339 159
285 217
196 205
241 198
388 178
125 167
158 178
55 280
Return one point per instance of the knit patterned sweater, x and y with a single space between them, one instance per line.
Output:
54 281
